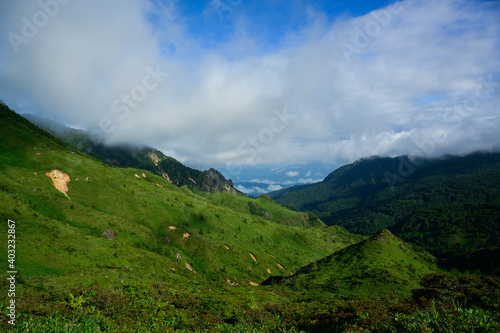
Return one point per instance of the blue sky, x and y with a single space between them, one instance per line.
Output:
274 91
215 22
273 19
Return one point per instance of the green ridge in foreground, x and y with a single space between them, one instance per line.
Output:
380 265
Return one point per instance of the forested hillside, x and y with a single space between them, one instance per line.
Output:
449 206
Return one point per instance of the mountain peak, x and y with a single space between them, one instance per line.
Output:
214 181
383 235
376 265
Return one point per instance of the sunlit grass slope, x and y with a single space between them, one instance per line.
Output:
162 232
380 265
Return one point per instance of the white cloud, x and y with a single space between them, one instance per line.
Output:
253 189
301 181
292 173
309 173
258 190
274 187
411 87
262 181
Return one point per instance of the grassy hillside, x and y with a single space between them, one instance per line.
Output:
147 158
162 232
141 207
266 208
380 265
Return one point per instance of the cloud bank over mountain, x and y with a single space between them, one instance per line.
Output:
212 89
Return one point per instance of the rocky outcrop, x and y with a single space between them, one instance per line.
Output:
214 181
109 234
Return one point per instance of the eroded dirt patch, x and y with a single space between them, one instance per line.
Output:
60 181
231 282
154 158
165 175
188 266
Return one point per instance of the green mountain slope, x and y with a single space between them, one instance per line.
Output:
344 188
366 196
462 235
155 223
265 208
380 265
147 158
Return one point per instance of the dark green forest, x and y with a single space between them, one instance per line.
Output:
448 206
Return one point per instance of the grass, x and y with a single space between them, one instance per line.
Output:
380 265
138 307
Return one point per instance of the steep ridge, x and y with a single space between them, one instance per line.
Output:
380 265
147 158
